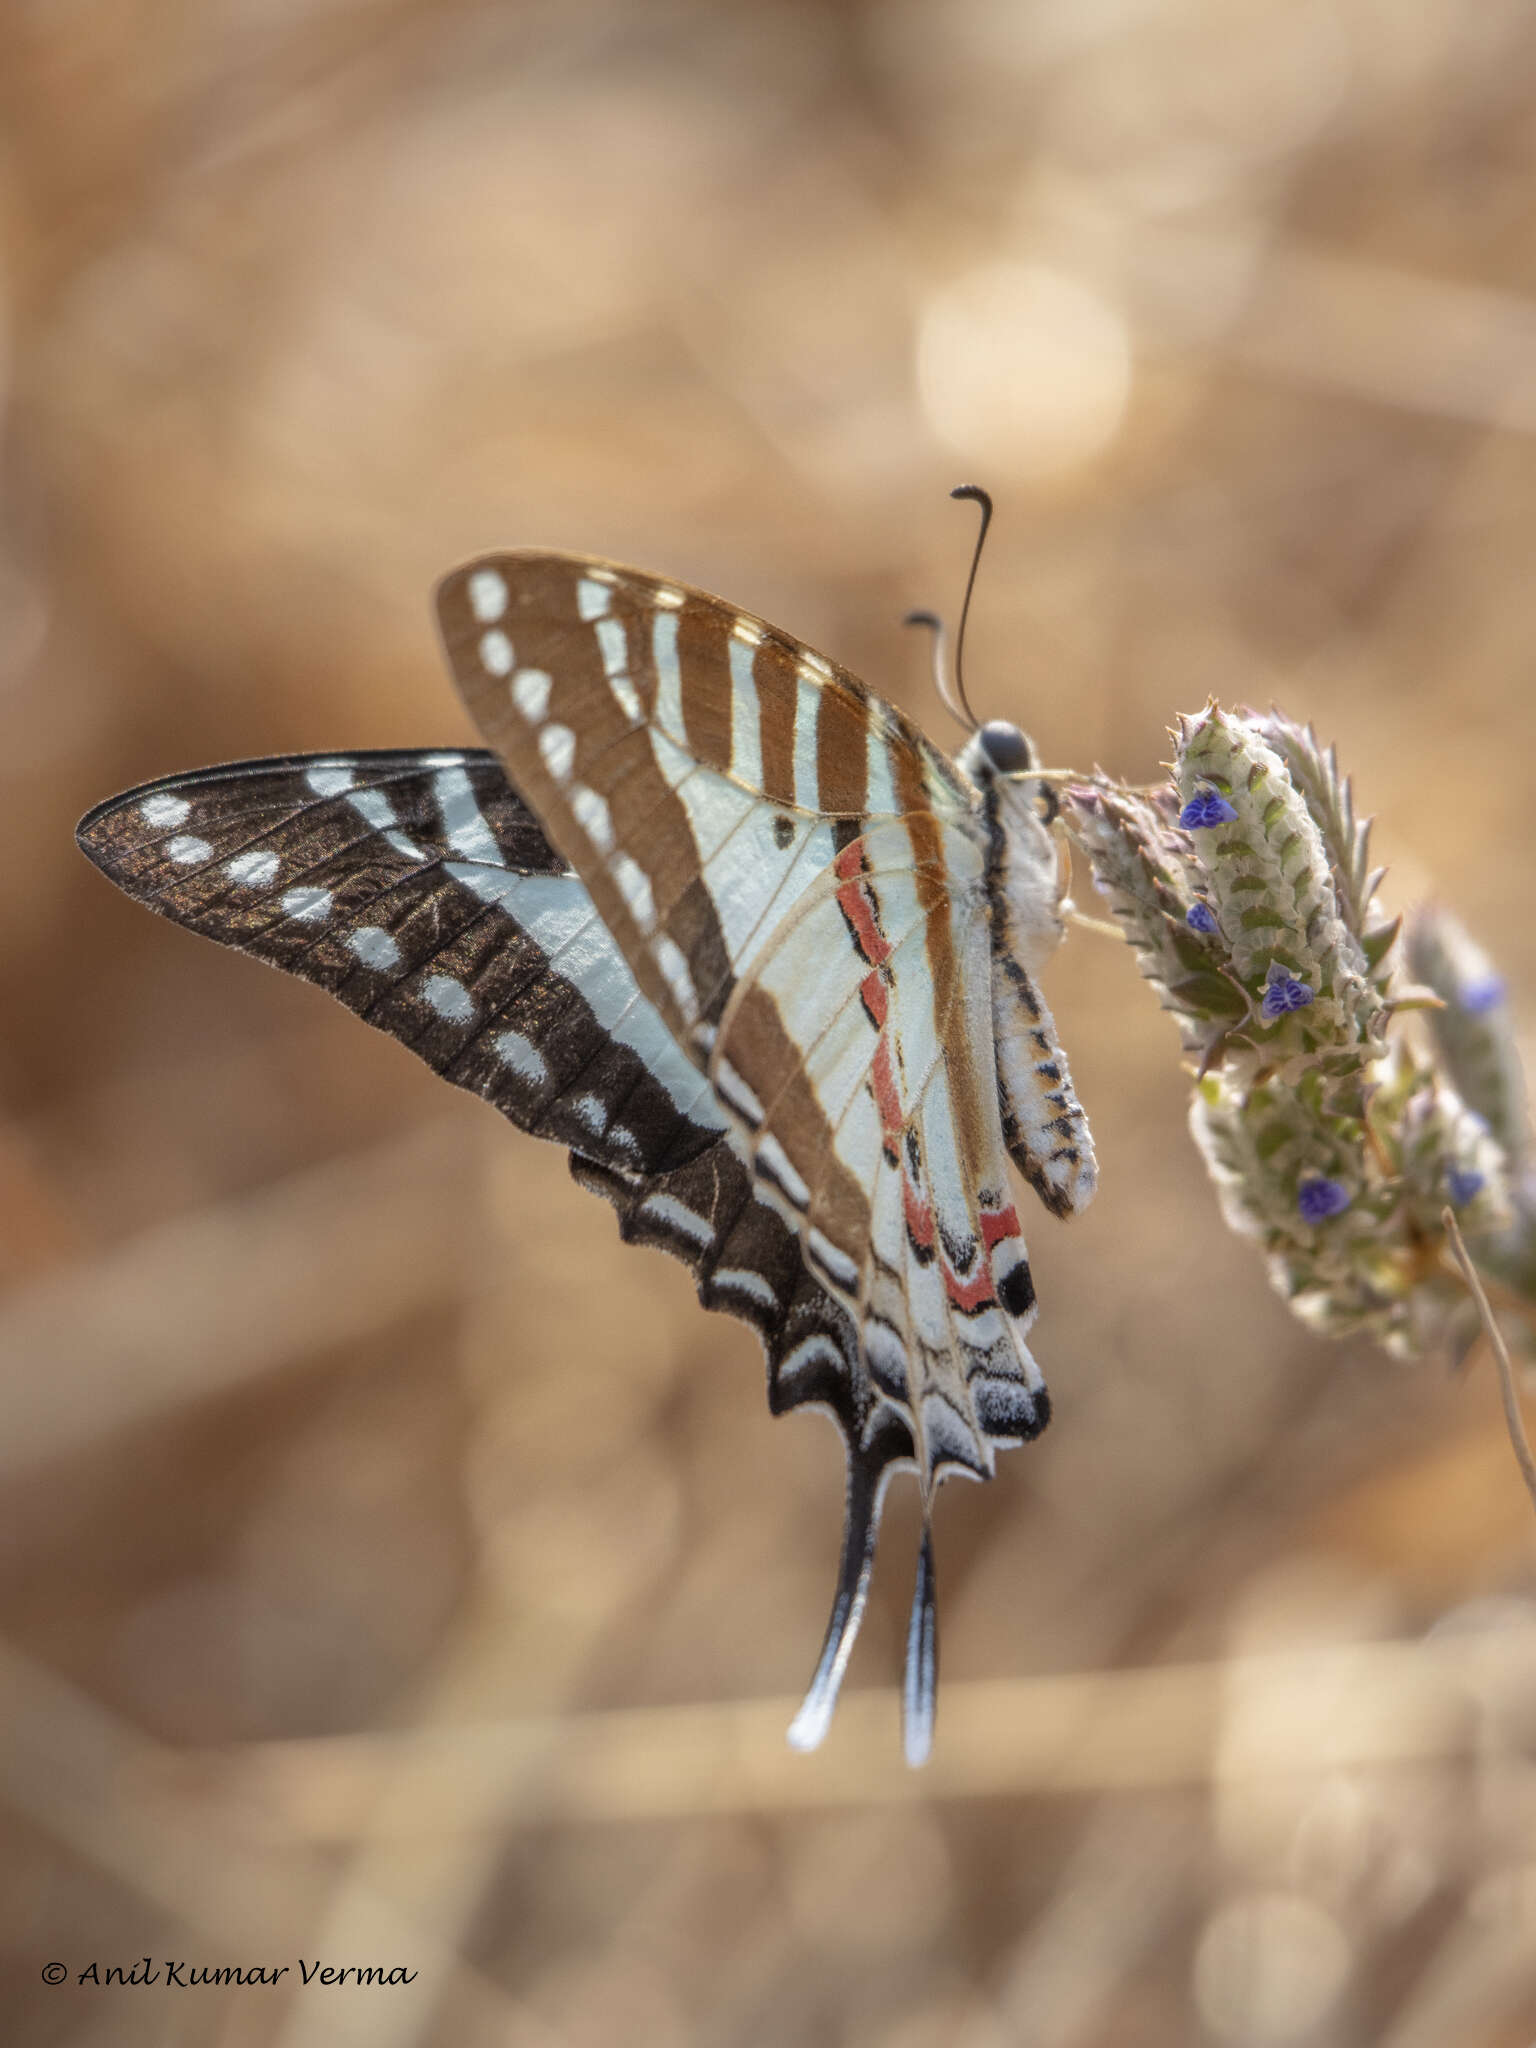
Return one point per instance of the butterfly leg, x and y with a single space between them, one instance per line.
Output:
867 1479
920 1688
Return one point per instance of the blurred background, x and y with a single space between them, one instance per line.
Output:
394 1569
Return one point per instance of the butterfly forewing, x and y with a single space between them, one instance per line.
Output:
418 890
689 761
798 880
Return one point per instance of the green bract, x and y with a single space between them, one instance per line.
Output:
1306 1095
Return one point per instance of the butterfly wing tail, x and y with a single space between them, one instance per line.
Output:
920 1688
867 1478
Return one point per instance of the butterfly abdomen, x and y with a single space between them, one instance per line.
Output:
1043 1123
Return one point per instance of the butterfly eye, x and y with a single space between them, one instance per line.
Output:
1005 747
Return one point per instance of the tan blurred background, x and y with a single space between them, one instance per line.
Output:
397 1570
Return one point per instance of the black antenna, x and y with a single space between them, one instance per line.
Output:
940 634
984 500
952 694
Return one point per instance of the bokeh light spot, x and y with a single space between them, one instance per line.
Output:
1268 1967
1023 368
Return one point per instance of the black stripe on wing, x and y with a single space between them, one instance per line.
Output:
418 889
747 1261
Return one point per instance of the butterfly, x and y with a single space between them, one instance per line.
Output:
720 920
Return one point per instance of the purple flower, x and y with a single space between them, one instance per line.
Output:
1463 1184
1208 808
1201 918
1318 1199
1479 996
1283 992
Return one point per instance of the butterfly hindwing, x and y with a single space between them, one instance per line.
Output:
746 1260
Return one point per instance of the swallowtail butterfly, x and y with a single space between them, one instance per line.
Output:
724 923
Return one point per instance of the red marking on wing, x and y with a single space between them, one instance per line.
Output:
969 1294
919 1215
997 1224
858 907
856 904
882 1077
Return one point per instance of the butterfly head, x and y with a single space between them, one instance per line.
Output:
1028 878
1007 750
999 757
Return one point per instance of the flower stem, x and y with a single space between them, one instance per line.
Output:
1507 1389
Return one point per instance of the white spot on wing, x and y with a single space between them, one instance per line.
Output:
487 595
885 1352
679 1217
674 968
450 998
496 652
592 598
817 1349
668 598
740 1281
837 1266
312 905
530 693
947 1435
463 820
164 810
374 947
746 715
557 914
736 1092
981 1332
557 743
252 870
675 763
522 1056
593 816
614 648
807 782
374 808
334 778
186 850
881 798
635 885
669 680
774 1162
591 1112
